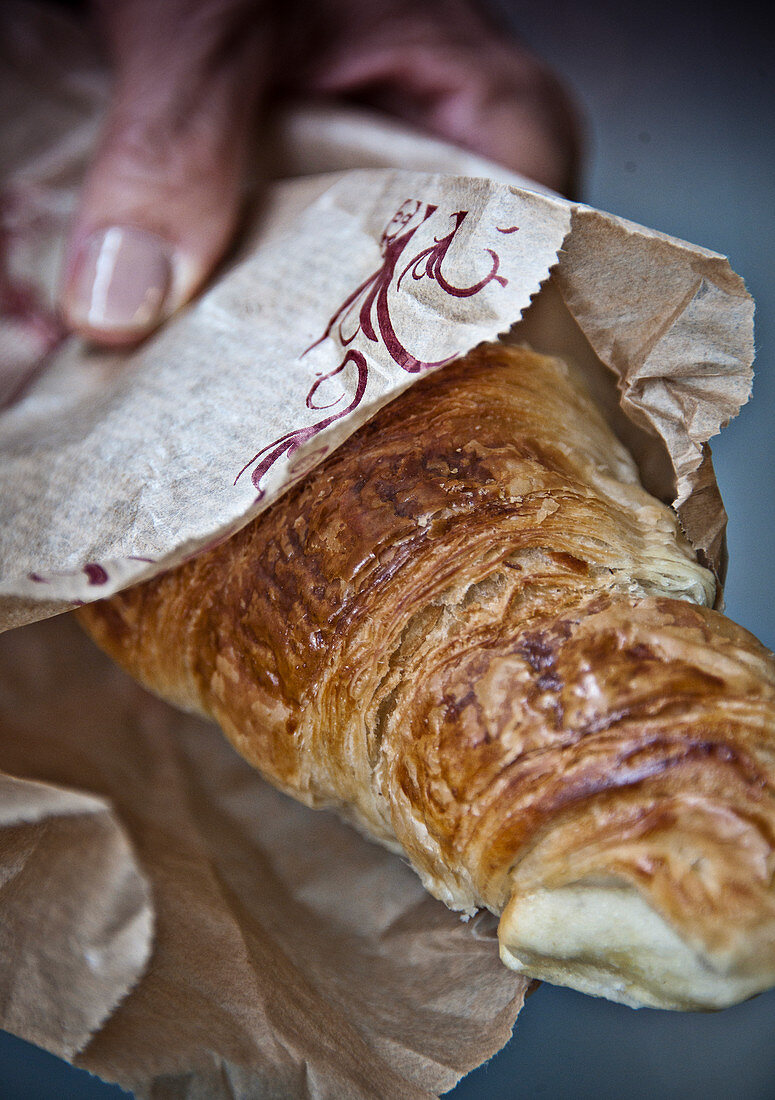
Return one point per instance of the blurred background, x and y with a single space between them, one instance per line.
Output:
678 100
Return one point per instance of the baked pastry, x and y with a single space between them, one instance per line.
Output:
474 634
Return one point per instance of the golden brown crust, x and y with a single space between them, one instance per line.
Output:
461 632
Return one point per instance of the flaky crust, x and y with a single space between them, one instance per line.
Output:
474 634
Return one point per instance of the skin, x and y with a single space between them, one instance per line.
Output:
195 78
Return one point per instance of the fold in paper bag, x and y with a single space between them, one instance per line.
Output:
346 289
352 287
76 910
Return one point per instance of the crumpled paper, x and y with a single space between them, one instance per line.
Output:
346 288
235 943
286 956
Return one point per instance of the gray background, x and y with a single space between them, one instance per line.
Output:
679 101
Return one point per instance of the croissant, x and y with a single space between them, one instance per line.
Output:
474 634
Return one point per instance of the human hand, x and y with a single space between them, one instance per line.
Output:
193 79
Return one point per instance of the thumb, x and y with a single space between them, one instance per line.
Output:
163 194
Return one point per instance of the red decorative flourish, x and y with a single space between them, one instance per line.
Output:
371 304
434 257
291 441
95 574
373 292
511 229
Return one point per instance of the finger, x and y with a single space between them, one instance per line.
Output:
163 195
443 69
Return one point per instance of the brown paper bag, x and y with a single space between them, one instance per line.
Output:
184 928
